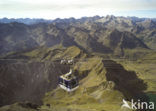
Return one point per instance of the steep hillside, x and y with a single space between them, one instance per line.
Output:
103 85
18 37
22 81
28 79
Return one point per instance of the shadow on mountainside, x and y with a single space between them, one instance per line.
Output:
21 81
125 81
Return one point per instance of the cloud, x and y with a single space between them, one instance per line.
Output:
69 8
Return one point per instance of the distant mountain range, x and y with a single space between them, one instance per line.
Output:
24 20
40 20
108 34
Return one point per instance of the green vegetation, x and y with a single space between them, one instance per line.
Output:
95 93
144 66
152 98
16 107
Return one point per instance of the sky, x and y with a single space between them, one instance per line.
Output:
51 9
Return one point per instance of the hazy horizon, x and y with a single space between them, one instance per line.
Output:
52 9
74 17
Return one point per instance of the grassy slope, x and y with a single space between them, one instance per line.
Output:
53 53
16 107
94 93
143 62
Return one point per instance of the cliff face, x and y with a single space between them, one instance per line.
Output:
22 81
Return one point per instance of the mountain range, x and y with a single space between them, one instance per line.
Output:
108 34
114 59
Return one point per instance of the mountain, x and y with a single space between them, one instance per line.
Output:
24 20
91 34
114 59
19 37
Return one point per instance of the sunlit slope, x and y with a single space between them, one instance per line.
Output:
144 66
103 85
94 92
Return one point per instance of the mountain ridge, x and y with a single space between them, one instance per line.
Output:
82 33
